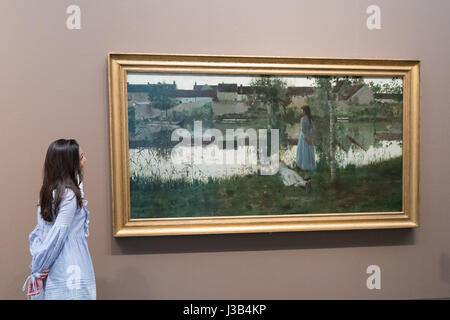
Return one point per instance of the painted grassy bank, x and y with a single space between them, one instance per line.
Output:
370 188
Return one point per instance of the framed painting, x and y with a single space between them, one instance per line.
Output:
205 144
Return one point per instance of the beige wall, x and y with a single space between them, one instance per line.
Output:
53 84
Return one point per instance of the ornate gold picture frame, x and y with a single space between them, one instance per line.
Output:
346 154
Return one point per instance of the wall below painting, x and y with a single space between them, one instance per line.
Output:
54 85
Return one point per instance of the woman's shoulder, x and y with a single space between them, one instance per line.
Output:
68 194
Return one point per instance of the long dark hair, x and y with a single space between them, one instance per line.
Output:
61 167
307 112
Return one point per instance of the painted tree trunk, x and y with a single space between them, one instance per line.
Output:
332 140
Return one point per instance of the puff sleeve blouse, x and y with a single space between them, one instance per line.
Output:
61 246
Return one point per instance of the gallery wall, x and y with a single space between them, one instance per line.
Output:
53 84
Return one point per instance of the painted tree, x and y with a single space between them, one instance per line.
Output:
132 121
324 102
272 92
162 96
390 108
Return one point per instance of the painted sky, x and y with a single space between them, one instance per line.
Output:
187 81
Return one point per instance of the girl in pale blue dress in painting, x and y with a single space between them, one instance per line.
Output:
305 158
61 266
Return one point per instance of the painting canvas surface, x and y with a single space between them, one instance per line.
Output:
204 145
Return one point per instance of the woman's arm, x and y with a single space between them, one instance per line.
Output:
307 129
46 252
305 125
35 237
53 242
